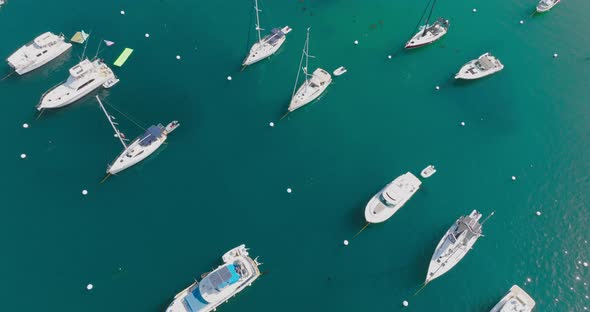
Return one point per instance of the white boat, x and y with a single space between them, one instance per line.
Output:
340 71
428 34
391 198
141 147
314 85
267 45
546 5
237 272
84 78
2 2
38 52
428 171
483 66
454 245
517 300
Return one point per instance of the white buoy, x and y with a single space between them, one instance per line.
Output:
25 125
116 135
565 252
405 303
147 35
272 124
84 192
389 57
474 10
178 57
462 123
356 42
585 264
23 156
289 190
229 78
437 88
577 278
345 242
513 178
89 286
521 22
538 213
528 279
122 12
555 55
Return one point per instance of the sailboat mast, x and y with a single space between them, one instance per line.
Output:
111 122
306 54
257 20
428 19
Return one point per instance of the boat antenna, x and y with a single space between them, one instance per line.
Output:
112 123
258 29
486 219
429 15
85 45
97 50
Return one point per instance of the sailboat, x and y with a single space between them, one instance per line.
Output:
314 85
140 148
428 34
268 45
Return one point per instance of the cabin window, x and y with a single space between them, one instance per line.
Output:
85 84
44 51
39 54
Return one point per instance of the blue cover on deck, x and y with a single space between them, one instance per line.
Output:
150 135
194 302
275 35
224 277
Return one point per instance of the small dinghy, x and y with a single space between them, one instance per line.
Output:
428 171
172 126
340 71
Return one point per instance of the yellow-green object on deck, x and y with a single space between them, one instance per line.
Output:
123 57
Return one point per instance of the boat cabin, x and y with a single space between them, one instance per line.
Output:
81 68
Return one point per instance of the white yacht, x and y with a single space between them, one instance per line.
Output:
141 147
428 34
314 85
458 240
483 66
546 5
517 300
428 171
237 271
268 45
84 78
391 198
38 52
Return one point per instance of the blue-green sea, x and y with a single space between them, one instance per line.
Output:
143 235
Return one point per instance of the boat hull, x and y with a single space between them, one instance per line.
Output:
378 209
417 41
542 8
207 303
134 154
261 51
311 89
51 54
518 294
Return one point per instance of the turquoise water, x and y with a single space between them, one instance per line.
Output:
143 235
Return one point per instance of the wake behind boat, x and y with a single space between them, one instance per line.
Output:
483 66
38 52
84 78
546 5
268 45
517 300
428 34
238 271
314 85
391 198
454 245
140 148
